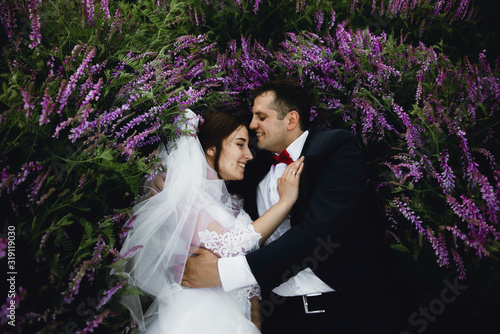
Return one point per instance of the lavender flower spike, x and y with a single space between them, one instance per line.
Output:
35 36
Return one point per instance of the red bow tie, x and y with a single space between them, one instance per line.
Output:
283 157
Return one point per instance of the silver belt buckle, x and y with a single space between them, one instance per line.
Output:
306 304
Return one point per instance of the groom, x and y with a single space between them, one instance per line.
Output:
320 271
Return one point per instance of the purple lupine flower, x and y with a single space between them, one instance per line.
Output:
98 319
130 252
188 41
157 169
418 95
319 17
75 52
403 207
447 173
133 324
115 113
400 170
118 69
26 169
108 294
99 247
193 96
8 17
77 276
372 120
457 234
478 227
47 107
151 140
459 263
469 165
489 195
117 23
85 86
196 17
74 285
441 77
127 227
93 94
28 106
439 246
63 98
35 187
332 21
256 6
297 5
88 10
94 69
62 125
438 6
40 316
131 142
135 121
461 11
127 255
35 35
412 131
82 181
105 8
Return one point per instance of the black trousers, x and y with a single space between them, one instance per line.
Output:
353 315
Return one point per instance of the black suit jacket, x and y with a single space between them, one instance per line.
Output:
330 231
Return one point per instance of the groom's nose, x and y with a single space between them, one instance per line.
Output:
253 124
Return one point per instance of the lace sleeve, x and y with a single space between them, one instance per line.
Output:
254 291
238 239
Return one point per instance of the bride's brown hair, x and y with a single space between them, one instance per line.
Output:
216 127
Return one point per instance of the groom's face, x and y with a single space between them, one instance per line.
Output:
270 131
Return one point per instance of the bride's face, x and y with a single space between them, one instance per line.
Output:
234 155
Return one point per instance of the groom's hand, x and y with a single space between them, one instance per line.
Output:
201 270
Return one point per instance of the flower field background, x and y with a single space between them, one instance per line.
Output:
89 88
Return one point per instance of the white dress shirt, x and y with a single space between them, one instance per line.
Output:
235 272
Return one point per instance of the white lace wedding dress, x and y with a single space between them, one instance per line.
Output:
211 310
193 209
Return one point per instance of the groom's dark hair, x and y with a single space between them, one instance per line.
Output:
289 95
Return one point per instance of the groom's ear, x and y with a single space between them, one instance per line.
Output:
292 120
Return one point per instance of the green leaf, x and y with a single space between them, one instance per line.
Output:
399 248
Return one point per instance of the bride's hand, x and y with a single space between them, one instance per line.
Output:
156 185
288 184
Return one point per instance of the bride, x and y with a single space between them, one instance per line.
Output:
194 209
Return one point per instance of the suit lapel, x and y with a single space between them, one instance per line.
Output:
304 191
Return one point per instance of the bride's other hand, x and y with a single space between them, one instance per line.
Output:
288 184
255 312
156 186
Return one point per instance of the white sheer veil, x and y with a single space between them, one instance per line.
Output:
166 224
